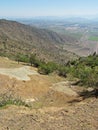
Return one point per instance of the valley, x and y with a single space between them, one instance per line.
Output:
80 33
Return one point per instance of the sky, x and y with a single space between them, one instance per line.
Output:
32 8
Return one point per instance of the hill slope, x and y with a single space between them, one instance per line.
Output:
51 108
16 37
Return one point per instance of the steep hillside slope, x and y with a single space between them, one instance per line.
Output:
16 38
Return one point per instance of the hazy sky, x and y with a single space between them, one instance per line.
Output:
29 8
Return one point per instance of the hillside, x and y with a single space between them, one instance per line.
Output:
42 102
19 38
52 96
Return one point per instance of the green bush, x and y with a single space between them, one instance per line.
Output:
63 70
86 70
22 58
34 61
47 68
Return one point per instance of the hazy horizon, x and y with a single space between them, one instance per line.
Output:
48 8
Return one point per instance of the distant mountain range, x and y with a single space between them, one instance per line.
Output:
19 38
72 19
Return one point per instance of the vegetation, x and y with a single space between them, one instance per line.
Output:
46 68
85 69
43 67
93 38
9 100
62 71
22 58
34 61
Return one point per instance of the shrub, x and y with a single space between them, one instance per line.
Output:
86 70
63 70
46 68
34 61
22 58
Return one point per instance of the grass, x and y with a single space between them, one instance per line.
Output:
5 101
93 38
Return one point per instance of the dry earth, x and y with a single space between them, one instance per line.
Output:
55 103
81 116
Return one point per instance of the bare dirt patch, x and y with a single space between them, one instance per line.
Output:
64 87
7 63
18 73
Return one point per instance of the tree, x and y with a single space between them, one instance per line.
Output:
34 61
22 58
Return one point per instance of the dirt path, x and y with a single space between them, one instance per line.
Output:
21 73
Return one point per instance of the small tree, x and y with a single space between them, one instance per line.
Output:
34 61
22 58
